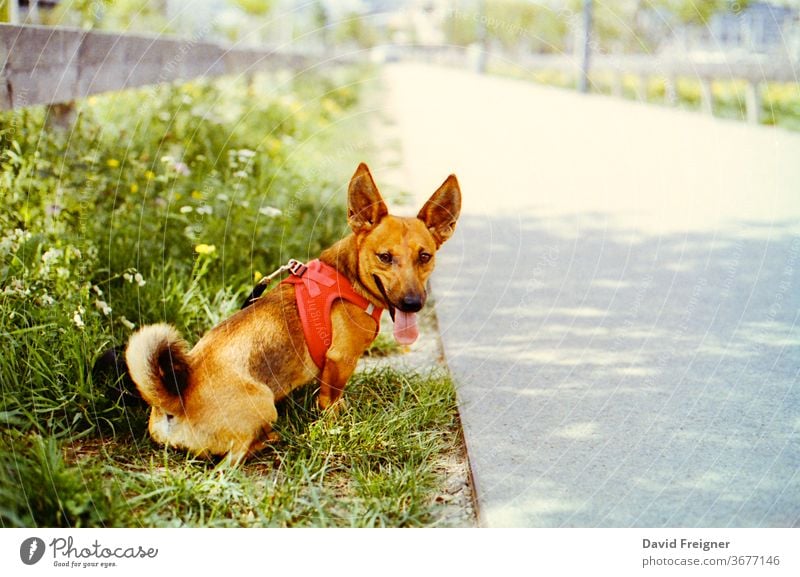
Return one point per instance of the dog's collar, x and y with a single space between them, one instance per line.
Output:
317 287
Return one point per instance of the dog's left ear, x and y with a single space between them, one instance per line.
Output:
441 211
365 206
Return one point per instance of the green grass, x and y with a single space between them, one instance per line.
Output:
373 464
169 214
780 102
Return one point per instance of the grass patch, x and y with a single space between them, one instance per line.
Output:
780 102
374 464
169 214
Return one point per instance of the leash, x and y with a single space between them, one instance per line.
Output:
295 267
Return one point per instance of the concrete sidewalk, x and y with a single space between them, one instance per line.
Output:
619 306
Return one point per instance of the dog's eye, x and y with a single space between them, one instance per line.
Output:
385 257
425 257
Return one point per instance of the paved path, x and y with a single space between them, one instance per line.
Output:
619 306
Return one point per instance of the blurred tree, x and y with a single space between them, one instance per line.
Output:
697 11
119 15
514 25
254 7
355 29
320 20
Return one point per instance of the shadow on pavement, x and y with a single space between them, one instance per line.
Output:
609 378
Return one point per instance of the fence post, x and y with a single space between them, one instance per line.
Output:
618 86
752 100
671 90
641 87
61 116
706 96
583 81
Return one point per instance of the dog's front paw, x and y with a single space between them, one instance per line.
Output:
326 405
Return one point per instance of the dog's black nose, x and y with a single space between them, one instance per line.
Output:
410 304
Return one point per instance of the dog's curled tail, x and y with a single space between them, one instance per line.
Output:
158 362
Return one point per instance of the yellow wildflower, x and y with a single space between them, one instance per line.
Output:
112 163
257 276
134 188
149 174
205 248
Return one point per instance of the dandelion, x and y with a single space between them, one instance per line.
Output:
205 248
273 144
330 106
186 209
112 163
270 211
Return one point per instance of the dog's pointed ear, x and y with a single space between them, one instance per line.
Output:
441 211
365 206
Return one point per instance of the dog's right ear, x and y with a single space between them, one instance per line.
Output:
365 206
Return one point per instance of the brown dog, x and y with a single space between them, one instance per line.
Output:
219 397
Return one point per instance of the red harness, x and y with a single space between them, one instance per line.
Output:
317 287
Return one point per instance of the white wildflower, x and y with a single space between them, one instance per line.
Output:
128 277
222 197
97 290
245 153
77 318
186 209
205 209
270 211
127 323
16 288
52 255
181 168
240 174
139 279
103 306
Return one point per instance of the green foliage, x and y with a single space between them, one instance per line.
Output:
254 7
515 25
374 464
168 213
356 29
165 214
697 11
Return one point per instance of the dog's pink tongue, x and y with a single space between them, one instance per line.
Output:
405 327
